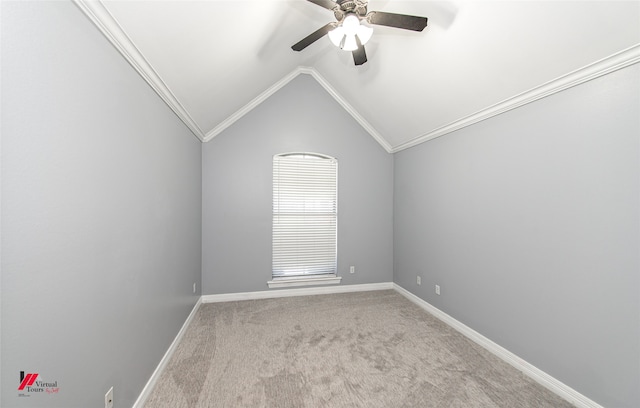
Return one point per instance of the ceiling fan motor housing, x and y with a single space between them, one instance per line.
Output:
357 7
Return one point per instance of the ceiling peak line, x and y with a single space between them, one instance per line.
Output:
607 65
251 105
284 81
106 22
350 109
111 29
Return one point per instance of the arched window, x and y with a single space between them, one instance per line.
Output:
305 216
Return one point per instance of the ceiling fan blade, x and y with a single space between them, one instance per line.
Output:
359 55
313 37
328 4
404 21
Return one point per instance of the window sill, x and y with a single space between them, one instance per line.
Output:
304 281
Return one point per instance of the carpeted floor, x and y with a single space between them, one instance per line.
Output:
367 349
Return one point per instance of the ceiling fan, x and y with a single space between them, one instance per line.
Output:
349 34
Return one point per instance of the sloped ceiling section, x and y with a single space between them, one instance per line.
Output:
214 61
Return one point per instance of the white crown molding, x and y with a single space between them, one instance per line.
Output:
251 105
350 109
146 391
597 69
108 25
526 368
272 294
288 78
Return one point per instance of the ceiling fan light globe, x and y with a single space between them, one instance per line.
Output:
336 35
350 43
351 23
364 33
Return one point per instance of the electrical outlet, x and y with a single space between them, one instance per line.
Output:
194 287
352 269
419 281
108 398
437 289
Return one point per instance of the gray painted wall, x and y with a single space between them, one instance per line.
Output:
529 222
101 213
237 189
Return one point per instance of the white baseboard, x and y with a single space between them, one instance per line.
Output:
270 294
542 378
529 370
228 297
146 391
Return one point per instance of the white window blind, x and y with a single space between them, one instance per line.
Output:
305 215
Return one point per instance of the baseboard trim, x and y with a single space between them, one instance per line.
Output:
146 391
271 294
539 376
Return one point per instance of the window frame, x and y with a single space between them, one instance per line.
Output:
308 200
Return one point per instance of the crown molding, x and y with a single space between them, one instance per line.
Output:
594 70
251 105
108 25
284 81
350 109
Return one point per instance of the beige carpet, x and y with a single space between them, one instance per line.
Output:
368 349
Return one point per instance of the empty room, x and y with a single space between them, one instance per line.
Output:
319 203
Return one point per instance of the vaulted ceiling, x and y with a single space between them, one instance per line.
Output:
213 61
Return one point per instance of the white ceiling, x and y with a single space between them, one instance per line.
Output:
213 61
